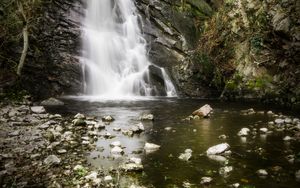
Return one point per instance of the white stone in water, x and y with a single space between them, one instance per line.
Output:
78 167
206 180
117 150
235 185
204 111
223 136
131 167
270 112
149 117
85 142
287 138
107 118
288 120
186 155
168 128
224 171
244 132
79 116
217 149
263 130
151 147
262 172
136 160
108 178
99 126
52 159
115 143
38 109
117 129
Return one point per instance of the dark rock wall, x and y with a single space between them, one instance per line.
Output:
52 66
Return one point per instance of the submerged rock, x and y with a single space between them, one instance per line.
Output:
117 150
52 102
224 171
79 116
204 111
217 149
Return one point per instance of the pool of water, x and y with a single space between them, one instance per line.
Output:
163 168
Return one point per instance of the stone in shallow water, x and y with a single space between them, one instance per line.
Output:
263 130
107 118
136 160
206 180
108 178
297 175
116 143
244 132
147 117
287 138
117 150
224 171
79 116
217 149
262 172
52 160
131 167
150 147
279 121
186 155
204 111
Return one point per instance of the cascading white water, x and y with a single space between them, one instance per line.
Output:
114 52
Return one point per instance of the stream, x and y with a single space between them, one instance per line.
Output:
163 168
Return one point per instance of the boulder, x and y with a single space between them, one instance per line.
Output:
204 111
107 118
52 102
38 109
217 149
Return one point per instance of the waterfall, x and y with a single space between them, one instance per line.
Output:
115 53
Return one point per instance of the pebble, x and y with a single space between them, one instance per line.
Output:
52 159
186 155
287 138
149 147
217 149
262 172
263 130
244 132
108 178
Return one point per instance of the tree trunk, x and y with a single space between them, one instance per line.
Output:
25 49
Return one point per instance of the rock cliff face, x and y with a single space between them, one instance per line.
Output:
52 66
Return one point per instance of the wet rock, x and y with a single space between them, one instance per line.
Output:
34 156
287 120
131 167
38 109
235 185
150 147
204 111
270 112
262 173
186 155
117 129
79 116
52 160
99 126
52 102
206 180
147 117
224 171
117 150
56 117
107 119
217 149
128 132
138 128
244 132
